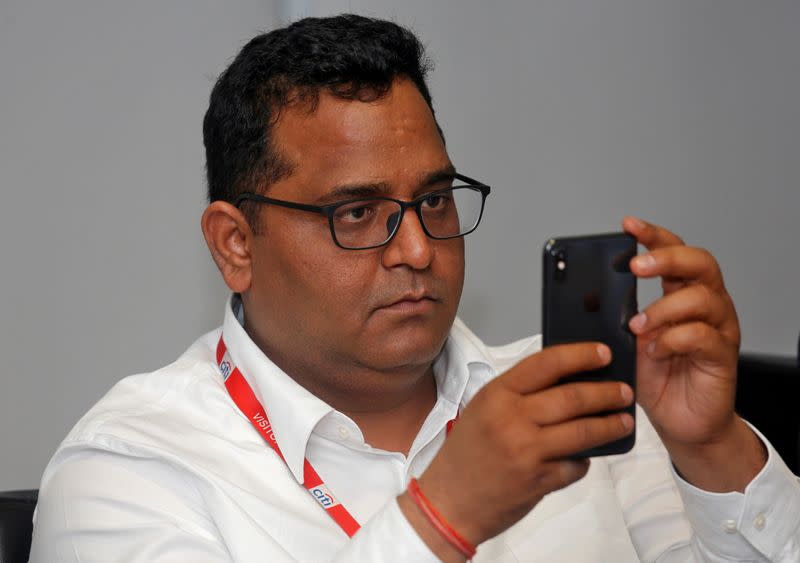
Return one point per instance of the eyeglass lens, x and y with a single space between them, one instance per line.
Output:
372 222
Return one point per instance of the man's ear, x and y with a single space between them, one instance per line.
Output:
229 238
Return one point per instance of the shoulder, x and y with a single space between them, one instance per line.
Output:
157 414
148 394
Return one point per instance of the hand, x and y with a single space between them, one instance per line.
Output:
687 341
687 354
511 444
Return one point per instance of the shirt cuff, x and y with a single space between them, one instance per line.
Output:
758 523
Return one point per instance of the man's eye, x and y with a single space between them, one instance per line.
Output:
354 213
435 201
357 212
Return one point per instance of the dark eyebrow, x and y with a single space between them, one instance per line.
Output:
371 189
446 174
350 191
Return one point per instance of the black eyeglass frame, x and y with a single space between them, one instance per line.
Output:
330 209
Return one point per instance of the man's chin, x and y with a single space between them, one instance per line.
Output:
407 346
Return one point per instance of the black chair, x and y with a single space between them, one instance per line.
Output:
16 513
767 395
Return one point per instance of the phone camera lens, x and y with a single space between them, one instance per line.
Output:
560 261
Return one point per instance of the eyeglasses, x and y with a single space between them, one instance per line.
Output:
360 224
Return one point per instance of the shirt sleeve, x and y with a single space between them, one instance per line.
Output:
98 506
671 521
95 505
648 496
761 524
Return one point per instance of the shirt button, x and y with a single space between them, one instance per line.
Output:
760 522
729 526
343 433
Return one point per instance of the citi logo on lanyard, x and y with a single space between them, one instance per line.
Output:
225 368
323 496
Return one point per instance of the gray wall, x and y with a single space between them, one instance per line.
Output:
105 272
576 112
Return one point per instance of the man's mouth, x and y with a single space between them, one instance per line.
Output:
411 303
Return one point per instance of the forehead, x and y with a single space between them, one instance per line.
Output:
393 140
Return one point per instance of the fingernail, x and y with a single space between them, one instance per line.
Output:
651 347
627 421
604 352
636 222
626 392
645 262
637 322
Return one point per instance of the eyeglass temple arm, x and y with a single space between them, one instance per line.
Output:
290 204
469 180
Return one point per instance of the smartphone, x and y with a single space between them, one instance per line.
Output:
589 294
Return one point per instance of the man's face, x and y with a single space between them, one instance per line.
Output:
383 308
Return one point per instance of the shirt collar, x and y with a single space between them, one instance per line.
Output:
292 410
461 369
467 365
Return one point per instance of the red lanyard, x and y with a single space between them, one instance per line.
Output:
245 399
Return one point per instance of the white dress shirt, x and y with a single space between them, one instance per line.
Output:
166 468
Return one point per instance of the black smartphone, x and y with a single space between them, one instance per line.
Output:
589 294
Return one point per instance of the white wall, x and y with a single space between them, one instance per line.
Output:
576 112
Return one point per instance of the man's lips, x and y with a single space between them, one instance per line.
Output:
410 302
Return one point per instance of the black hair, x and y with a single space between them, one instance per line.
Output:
350 56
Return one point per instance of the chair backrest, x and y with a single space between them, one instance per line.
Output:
768 395
16 514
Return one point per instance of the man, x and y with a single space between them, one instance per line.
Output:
316 424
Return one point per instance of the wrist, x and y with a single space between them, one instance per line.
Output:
723 465
438 483
440 547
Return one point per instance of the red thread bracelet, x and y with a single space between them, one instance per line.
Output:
439 522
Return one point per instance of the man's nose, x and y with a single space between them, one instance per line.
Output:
410 245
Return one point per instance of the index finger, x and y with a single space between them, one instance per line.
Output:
545 368
680 263
649 235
